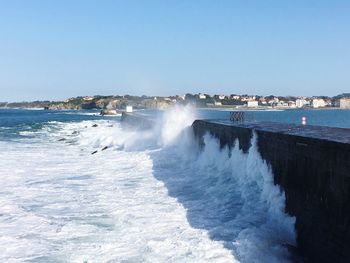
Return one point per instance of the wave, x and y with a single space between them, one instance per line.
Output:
228 193
232 195
151 196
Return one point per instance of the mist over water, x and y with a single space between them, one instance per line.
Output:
152 196
231 195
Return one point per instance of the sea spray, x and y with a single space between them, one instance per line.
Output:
168 126
226 192
231 195
62 204
174 122
152 196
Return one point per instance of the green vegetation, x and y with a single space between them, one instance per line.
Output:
199 100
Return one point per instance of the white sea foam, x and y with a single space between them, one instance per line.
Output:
77 112
152 196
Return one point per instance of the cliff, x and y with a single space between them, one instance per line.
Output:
110 103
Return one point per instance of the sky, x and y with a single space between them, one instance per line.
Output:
52 50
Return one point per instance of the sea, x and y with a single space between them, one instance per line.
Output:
78 187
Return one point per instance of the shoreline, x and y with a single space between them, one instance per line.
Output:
267 108
200 108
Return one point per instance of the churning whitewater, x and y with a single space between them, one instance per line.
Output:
151 196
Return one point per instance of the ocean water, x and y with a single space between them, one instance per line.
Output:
151 196
324 117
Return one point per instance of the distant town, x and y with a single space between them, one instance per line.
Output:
201 100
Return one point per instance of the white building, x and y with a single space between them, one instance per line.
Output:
248 98
282 103
262 100
291 104
221 97
273 101
318 103
88 98
68 100
202 96
300 103
344 103
252 104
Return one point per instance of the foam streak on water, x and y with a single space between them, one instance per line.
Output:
152 196
59 203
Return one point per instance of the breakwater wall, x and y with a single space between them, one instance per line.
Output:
137 121
312 166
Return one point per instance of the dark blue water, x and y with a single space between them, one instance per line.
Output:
60 203
15 121
332 118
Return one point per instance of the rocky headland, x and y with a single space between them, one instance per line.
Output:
116 102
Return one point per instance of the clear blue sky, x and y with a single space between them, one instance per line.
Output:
59 49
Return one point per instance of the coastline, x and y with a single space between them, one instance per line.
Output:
201 108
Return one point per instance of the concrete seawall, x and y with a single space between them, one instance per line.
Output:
312 166
137 121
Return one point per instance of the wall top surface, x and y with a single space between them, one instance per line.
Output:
340 135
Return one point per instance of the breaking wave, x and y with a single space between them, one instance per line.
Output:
143 196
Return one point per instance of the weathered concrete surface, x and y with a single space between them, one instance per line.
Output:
312 165
137 121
